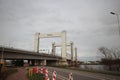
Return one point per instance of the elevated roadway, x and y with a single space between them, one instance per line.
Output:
33 58
11 53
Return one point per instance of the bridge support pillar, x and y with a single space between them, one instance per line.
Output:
39 62
44 63
36 62
53 48
63 62
30 62
37 42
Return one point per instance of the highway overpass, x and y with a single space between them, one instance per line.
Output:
33 58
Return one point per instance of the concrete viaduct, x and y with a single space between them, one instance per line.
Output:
33 58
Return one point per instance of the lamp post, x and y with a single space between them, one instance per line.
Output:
117 15
2 61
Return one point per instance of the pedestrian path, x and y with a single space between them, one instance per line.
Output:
20 75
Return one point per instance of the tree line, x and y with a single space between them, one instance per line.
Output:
110 58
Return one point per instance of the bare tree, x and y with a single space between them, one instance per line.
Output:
111 58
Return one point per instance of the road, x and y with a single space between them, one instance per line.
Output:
63 74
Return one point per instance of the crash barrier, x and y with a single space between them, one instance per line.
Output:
38 72
30 72
70 76
54 75
43 72
46 74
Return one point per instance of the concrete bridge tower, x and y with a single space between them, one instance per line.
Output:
71 44
36 42
50 35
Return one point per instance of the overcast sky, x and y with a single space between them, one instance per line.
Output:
88 23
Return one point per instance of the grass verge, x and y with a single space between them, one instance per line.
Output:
36 77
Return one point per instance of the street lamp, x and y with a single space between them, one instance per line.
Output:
2 61
117 20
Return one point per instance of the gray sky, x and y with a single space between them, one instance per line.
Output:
88 23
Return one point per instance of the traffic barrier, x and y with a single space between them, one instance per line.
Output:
45 70
47 78
70 76
46 73
39 71
35 70
54 75
30 72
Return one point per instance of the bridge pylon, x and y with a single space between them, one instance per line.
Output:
71 44
50 35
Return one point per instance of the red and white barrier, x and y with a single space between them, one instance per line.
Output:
70 76
46 73
40 70
47 78
54 75
35 70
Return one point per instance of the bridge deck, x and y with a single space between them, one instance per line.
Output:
11 53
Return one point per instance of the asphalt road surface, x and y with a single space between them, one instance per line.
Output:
63 74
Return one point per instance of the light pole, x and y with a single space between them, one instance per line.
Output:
117 20
2 61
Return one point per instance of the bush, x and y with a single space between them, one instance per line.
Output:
37 77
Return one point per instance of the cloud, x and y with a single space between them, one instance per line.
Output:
89 24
